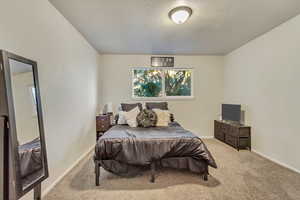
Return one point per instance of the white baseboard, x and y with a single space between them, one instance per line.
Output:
50 187
276 161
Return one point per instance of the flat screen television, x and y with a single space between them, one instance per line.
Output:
231 112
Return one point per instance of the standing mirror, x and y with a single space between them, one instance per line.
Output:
28 150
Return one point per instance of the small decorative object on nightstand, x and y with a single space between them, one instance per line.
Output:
103 123
108 110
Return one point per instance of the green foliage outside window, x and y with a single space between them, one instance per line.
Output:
150 82
178 82
147 83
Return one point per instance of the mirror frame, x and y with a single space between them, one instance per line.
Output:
4 158
15 175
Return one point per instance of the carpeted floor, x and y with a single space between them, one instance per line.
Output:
241 176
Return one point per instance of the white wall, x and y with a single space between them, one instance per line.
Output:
196 114
68 72
264 76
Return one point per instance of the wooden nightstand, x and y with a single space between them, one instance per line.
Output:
102 125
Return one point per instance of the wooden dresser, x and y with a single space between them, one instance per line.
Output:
237 136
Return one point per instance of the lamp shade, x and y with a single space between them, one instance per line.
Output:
108 108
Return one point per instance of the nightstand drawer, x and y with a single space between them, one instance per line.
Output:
102 123
102 127
103 117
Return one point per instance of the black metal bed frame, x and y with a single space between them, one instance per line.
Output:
204 176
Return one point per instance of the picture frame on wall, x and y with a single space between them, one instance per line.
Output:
162 61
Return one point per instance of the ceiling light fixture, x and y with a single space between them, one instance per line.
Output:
180 14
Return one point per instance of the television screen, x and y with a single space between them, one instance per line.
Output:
231 112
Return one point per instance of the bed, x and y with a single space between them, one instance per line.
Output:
127 151
30 158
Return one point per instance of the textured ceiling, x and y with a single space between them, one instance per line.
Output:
143 26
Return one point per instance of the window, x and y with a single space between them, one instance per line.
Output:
162 83
178 83
32 94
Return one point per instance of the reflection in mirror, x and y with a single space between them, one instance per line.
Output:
27 124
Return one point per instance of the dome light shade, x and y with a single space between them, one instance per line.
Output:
179 15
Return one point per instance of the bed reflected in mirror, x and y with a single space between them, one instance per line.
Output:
26 119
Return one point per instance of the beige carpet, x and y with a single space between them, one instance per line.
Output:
241 176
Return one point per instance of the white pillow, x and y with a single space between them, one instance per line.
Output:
130 117
163 117
122 119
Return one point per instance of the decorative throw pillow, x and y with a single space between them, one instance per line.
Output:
172 119
122 118
160 105
146 118
131 117
129 106
157 105
163 117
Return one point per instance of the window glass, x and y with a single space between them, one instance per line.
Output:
147 83
178 83
161 83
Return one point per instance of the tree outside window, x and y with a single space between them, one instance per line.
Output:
161 83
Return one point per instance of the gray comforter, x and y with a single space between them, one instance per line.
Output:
126 151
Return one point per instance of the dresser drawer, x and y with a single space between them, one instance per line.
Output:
217 127
244 143
225 128
231 140
235 135
244 132
239 131
234 131
220 135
